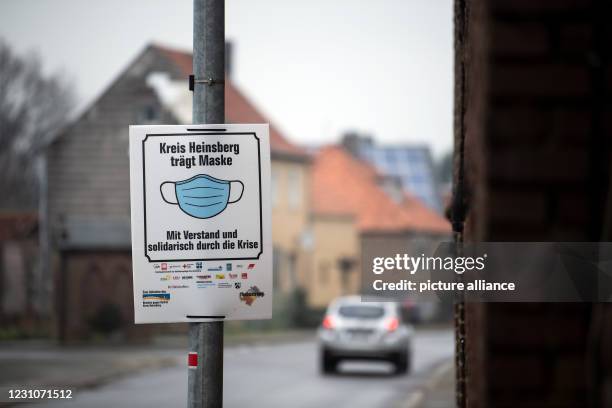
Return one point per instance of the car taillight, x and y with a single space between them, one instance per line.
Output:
392 324
328 322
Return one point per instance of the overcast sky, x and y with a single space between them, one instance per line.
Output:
316 68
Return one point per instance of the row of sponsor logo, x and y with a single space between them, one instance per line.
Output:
165 266
158 298
218 276
202 284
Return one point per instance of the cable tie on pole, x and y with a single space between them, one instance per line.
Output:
208 81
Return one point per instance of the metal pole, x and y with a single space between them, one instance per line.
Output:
209 61
205 381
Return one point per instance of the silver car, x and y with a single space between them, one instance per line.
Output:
355 330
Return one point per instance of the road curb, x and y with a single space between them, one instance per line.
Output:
269 338
129 365
416 398
87 382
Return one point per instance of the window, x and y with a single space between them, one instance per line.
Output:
361 312
291 270
295 188
149 114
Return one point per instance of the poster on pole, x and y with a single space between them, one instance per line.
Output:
201 223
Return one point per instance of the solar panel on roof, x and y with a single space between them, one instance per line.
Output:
412 166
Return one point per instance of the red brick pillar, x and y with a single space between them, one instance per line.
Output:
537 115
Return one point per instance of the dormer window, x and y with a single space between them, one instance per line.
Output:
149 114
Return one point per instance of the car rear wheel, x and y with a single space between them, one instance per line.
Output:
402 363
327 363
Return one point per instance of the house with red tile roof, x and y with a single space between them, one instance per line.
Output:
290 169
355 216
88 184
322 211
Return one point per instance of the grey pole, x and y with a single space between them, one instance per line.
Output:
209 61
205 382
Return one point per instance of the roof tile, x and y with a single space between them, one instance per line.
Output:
344 185
238 109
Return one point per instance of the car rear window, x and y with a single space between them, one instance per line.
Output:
361 312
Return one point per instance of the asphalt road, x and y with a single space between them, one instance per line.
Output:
281 375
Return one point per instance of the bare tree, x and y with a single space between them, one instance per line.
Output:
33 109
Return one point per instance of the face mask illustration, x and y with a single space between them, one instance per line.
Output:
202 196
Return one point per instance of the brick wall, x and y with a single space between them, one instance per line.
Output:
96 287
536 110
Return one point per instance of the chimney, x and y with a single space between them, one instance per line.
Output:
353 141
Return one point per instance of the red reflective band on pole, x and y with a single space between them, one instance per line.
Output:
192 360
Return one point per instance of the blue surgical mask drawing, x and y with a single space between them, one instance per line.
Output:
202 196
